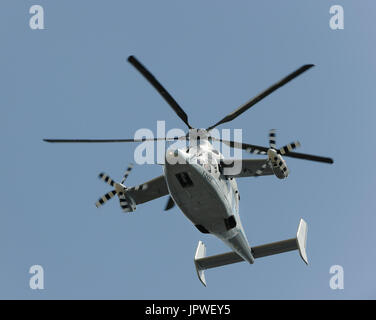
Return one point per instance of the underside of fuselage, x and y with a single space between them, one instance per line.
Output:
208 199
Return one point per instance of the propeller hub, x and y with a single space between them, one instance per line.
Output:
198 134
275 159
120 188
272 153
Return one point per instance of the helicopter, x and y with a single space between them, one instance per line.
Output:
202 182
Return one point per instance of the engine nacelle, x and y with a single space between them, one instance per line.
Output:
279 166
127 203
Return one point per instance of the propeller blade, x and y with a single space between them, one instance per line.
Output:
170 204
251 148
262 95
140 187
162 91
260 171
106 179
126 174
289 147
105 198
112 140
272 139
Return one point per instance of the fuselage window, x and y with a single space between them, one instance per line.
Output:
184 179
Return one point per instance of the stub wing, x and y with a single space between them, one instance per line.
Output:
299 243
149 190
129 198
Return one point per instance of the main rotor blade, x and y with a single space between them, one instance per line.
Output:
262 150
111 140
262 95
308 157
162 91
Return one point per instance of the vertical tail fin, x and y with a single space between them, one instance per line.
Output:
200 253
301 240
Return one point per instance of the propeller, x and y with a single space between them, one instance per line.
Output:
120 190
287 148
275 161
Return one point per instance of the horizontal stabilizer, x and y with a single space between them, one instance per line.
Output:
299 243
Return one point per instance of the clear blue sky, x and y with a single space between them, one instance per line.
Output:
72 80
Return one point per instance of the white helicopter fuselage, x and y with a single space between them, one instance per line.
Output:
207 198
